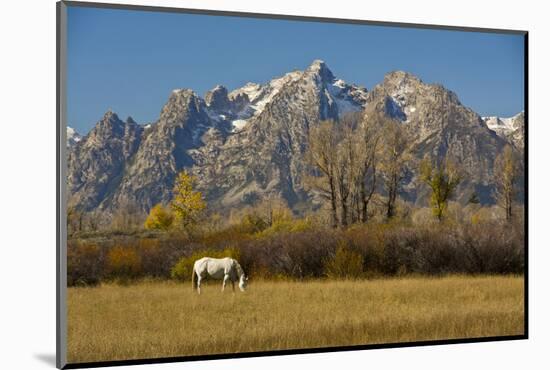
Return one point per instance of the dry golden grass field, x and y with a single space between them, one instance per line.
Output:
165 319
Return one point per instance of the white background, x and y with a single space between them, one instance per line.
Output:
27 182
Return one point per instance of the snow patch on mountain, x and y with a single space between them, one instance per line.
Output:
394 109
343 95
346 97
500 123
239 124
259 96
73 137
509 128
251 89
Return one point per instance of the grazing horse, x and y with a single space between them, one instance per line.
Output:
220 269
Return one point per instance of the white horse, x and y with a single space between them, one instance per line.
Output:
227 269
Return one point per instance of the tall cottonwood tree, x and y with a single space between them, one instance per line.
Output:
368 149
322 155
127 216
346 155
394 157
346 165
506 169
75 220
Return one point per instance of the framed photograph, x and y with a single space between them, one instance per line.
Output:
234 184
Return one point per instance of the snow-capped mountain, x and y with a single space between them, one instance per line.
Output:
241 105
499 123
241 144
99 159
249 143
73 137
511 128
264 153
438 125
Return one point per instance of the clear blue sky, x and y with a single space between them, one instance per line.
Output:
130 61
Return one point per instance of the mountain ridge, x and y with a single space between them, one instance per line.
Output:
249 143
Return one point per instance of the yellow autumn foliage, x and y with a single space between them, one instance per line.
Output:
187 203
160 218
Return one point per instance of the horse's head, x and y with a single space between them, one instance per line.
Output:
243 282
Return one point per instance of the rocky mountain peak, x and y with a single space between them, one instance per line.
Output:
95 164
439 125
249 143
73 137
218 99
110 125
182 96
511 129
320 68
130 121
407 98
181 104
110 117
109 114
401 77
240 102
399 85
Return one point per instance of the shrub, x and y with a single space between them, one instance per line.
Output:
345 263
369 241
287 225
183 269
423 216
296 249
123 262
252 223
297 255
160 218
84 264
493 249
153 257
485 215
232 235
442 249
307 251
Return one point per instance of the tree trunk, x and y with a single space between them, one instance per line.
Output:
344 216
439 214
392 193
333 203
364 203
509 208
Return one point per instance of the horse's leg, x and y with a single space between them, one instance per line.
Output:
199 284
233 285
225 278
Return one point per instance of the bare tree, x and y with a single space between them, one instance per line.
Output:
395 145
346 168
75 220
95 221
506 171
127 217
322 155
368 148
273 208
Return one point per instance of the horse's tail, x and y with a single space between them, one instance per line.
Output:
193 282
